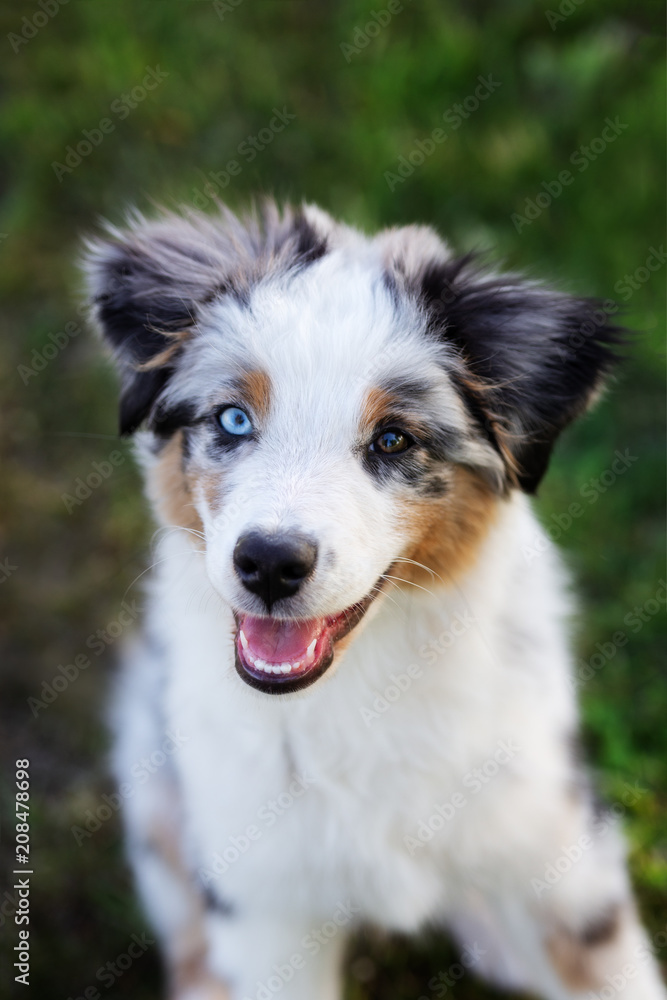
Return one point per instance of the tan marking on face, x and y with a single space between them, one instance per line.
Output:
449 530
582 961
206 486
256 388
377 408
170 488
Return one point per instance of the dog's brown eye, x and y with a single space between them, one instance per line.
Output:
391 442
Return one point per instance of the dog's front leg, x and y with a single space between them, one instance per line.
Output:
263 956
569 929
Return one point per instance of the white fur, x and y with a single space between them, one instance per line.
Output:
370 782
350 785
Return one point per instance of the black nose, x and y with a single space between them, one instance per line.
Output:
274 566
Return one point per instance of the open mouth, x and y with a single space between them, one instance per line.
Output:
280 655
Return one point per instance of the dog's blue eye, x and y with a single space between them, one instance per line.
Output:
391 442
235 421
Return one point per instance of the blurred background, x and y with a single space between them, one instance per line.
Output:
107 104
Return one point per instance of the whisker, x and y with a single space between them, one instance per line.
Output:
451 579
171 528
193 531
413 562
393 599
412 584
171 555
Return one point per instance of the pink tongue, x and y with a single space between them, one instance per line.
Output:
278 641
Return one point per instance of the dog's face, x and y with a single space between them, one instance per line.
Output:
331 415
323 440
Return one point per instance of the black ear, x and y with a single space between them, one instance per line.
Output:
533 358
150 283
147 284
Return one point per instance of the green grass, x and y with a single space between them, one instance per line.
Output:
354 120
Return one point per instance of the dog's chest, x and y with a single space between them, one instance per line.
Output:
308 826
316 804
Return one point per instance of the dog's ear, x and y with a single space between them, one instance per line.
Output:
146 285
533 358
150 282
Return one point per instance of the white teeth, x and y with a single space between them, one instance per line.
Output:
268 668
310 652
271 668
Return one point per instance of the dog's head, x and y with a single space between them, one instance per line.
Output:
332 414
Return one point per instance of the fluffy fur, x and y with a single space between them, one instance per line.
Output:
421 770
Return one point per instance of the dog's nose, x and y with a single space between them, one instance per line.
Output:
274 566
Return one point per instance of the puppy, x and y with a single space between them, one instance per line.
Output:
354 679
